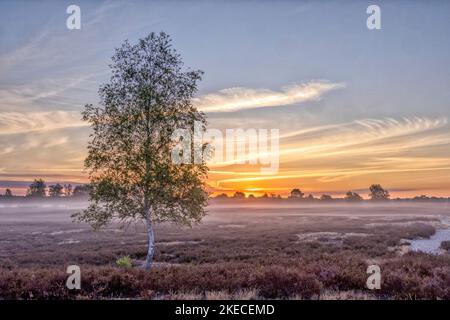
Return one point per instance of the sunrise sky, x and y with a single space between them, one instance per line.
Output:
353 106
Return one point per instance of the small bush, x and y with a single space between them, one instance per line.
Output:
124 262
445 245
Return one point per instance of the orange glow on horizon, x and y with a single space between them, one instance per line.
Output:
408 157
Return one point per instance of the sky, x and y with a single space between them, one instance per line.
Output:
353 106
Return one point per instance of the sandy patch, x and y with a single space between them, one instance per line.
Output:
68 241
436 224
54 233
401 249
176 243
138 263
232 226
328 237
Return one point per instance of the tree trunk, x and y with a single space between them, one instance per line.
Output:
151 244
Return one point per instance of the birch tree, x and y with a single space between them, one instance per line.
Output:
133 177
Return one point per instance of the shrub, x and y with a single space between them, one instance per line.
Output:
445 245
124 262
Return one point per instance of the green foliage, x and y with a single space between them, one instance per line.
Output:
129 155
124 262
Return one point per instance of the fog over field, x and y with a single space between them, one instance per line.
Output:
31 226
50 213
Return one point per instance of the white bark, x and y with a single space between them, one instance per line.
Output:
151 244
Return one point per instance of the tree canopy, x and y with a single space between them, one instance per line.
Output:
56 190
378 193
37 188
297 193
353 196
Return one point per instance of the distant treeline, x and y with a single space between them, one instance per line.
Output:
377 193
38 190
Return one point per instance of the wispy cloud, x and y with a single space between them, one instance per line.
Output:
24 122
369 137
104 10
10 59
56 142
48 42
234 99
351 154
30 95
374 137
386 127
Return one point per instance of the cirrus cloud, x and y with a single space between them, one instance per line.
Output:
23 122
239 98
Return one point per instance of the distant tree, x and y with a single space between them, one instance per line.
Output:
251 196
310 198
239 195
297 194
68 190
81 190
326 197
353 196
55 191
222 196
130 164
421 198
378 193
37 189
265 196
8 193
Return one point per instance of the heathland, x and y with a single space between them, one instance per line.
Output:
242 250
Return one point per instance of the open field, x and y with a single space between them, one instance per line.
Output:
246 250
